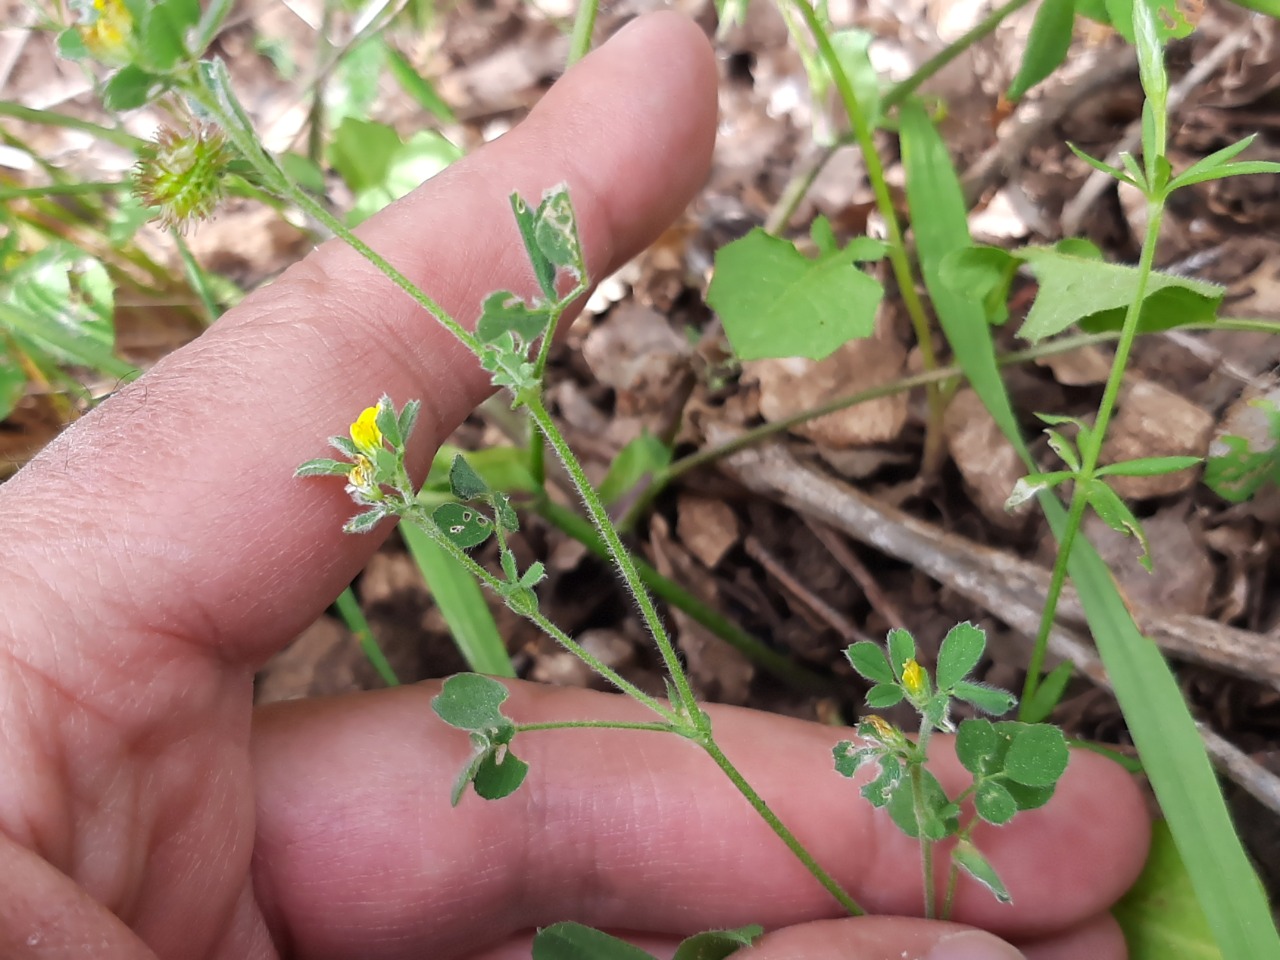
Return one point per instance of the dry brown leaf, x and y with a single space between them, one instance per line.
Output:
708 527
1155 422
987 461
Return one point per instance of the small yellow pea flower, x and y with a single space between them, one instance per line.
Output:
108 33
882 727
913 678
361 474
365 433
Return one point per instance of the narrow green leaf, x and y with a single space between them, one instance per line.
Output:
13 383
1214 160
1048 694
717 944
1116 514
480 748
1047 45
1065 450
543 269
365 522
573 941
416 85
409 418
1240 169
388 422
464 482
462 604
1100 165
1148 467
852 49
969 859
961 650
775 302
635 463
1033 484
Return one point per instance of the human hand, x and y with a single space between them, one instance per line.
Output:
165 553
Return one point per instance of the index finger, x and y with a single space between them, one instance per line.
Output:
178 493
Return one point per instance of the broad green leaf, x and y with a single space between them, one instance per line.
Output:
462 604
1147 467
990 700
888 781
884 695
902 647
982 273
505 313
353 85
869 661
775 302
505 513
322 467
1096 295
969 859
940 815
1160 915
464 482
464 526
850 758
717 944
409 165
471 702
961 650
361 152
499 774
70 45
635 463
994 803
556 231
1037 756
1048 693
162 43
130 88
1116 514
1028 798
304 170
573 941
1047 45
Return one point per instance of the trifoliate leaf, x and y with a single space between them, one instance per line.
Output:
940 815
717 944
776 302
961 650
979 747
849 757
505 313
890 779
499 774
471 702
461 525
902 647
573 941
556 231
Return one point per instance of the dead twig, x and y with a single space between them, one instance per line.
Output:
849 561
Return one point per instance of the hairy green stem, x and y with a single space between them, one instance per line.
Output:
617 550
1090 452
918 803
898 260
829 883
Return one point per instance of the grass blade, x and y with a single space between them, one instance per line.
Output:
1158 719
462 602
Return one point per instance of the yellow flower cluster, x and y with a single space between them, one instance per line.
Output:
107 35
365 433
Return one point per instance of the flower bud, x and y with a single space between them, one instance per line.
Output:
181 174
106 27
913 678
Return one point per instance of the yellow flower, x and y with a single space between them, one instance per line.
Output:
361 474
365 433
913 678
108 32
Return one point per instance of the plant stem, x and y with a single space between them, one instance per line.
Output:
829 882
898 259
355 620
618 551
918 802
584 26
52 118
901 91
1090 452
594 725
62 190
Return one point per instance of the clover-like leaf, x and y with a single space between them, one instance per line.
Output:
364 522
464 482
969 859
461 525
869 660
882 789
543 268
1028 798
388 422
322 467
499 774
961 650
978 746
556 231
409 418
994 803
986 698
1037 756
472 702
850 757
573 941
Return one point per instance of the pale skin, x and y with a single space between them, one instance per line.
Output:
159 552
